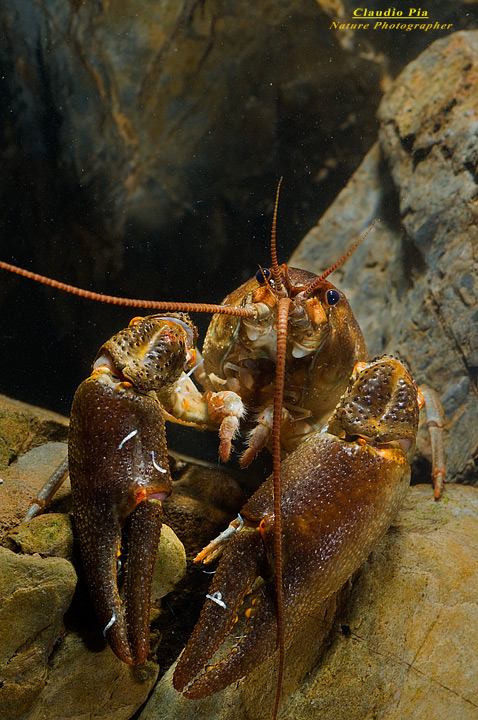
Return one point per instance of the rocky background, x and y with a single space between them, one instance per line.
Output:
117 129
420 184
141 149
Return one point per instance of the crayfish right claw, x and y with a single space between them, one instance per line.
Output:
340 492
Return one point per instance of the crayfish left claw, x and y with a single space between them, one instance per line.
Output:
120 474
125 624
243 561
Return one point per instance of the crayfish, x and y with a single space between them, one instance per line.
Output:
284 359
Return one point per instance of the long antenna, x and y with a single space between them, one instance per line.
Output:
130 302
276 276
282 320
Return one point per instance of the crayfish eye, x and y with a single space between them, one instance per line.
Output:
262 275
332 296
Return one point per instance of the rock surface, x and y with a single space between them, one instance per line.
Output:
23 427
411 624
34 596
413 283
91 684
32 446
49 535
403 646
157 108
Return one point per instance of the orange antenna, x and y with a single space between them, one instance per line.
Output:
130 302
275 265
282 321
315 284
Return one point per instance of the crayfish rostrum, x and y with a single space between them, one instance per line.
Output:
284 359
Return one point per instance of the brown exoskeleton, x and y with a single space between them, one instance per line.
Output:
283 355
340 491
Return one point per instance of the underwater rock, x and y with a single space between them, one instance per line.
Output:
407 646
403 643
32 446
35 593
413 282
23 427
24 478
48 535
170 565
154 120
91 683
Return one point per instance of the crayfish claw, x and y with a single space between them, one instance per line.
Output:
242 562
144 533
125 623
252 648
340 491
99 536
119 475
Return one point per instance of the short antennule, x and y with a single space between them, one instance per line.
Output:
309 291
276 275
